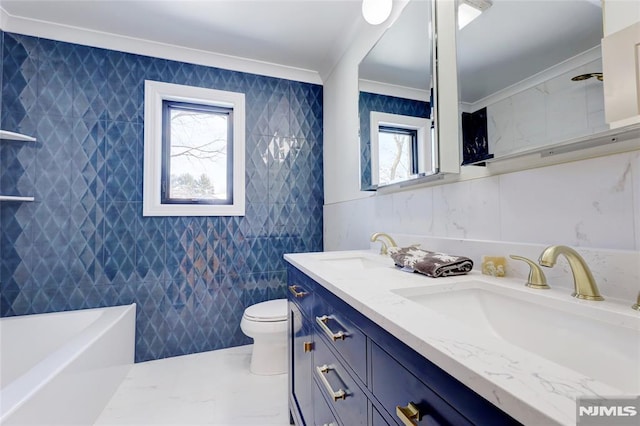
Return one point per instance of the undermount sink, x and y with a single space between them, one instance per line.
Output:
598 343
356 261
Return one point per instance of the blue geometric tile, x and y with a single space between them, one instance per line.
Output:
118 246
306 111
123 148
125 86
233 248
150 255
55 81
257 109
256 172
279 109
53 158
90 82
84 242
19 73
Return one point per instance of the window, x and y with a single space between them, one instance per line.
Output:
400 147
193 151
397 153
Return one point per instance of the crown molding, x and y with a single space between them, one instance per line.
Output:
71 34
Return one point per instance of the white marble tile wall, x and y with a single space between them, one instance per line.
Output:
588 204
551 112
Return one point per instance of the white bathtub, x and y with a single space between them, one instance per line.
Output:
62 368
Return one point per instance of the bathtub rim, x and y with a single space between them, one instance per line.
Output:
18 392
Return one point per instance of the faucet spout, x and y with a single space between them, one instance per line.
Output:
380 236
584 284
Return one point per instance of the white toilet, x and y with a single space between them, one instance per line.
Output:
266 323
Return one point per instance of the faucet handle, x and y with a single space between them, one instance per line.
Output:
536 276
636 305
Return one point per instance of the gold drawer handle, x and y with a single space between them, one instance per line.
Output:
308 346
410 415
322 322
294 290
336 395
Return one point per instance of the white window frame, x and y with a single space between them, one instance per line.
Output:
154 94
422 125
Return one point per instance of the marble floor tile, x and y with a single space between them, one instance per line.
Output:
209 388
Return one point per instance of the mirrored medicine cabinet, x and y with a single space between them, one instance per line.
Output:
529 80
398 141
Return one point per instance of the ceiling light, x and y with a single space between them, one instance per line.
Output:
376 11
468 10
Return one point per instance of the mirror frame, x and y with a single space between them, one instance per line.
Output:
445 132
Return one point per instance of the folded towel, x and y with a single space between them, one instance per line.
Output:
430 263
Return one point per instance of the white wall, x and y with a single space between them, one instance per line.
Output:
587 203
590 203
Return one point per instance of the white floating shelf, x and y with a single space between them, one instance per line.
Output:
6 135
15 198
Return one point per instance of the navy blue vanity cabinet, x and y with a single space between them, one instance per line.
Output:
403 394
338 386
360 374
341 334
322 414
301 346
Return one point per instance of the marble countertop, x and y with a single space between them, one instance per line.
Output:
528 387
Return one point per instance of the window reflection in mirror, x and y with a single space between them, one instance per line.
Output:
395 82
516 61
401 148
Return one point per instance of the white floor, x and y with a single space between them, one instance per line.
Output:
209 388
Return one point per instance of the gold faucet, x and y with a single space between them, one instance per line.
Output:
378 236
636 305
536 276
583 281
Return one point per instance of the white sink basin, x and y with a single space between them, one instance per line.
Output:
361 261
598 343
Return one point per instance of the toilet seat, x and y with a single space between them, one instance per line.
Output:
269 311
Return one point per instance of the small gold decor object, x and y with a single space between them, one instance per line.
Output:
494 266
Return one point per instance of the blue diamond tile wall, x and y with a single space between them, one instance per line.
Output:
83 243
368 102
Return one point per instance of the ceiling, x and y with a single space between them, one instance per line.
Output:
305 34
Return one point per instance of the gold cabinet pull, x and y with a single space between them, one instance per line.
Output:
322 322
308 346
336 395
410 415
294 290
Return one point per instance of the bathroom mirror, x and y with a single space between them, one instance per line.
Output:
530 75
397 137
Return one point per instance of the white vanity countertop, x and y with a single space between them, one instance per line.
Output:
532 389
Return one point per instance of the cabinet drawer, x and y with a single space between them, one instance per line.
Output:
395 387
338 387
323 416
300 290
377 419
347 339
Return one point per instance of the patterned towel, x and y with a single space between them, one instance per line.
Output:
430 263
